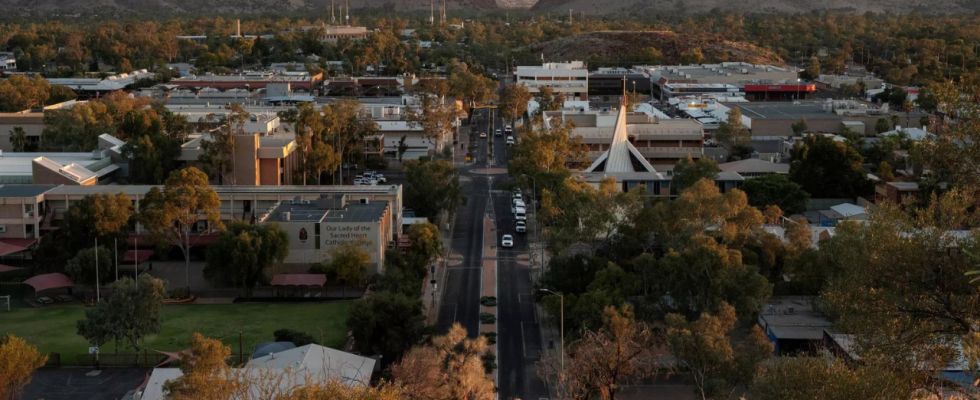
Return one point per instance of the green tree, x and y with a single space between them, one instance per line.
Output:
813 68
322 159
687 172
882 125
474 88
102 216
402 147
692 56
386 323
348 264
649 56
800 127
431 187
435 116
18 139
828 169
127 315
218 155
578 212
18 361
776 190
81 268
703 347
181 212
731 133
424 244
549 99
244 253
545 154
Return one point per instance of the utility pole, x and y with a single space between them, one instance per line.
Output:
569 16
432 12
347 16
98 298
332 19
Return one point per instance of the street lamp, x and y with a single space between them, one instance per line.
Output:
798 80
561 299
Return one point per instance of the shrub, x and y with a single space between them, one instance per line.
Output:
489 301
489 361
487 318
491 337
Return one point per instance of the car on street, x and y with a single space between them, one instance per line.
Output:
483 135
517 205
496 132
521 214
380 178
358 182
521 227
517 196
509 129
507 241
510 140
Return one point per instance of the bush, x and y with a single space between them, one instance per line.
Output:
489 301
298 338
179 293
489 361
491 337
487 318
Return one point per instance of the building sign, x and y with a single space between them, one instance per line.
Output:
69 175
303 235
697 105
340 235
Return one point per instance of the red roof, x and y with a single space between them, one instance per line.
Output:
299 280
7 268
14 245
49 281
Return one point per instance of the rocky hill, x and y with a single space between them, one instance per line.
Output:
765 6
155 7
615 45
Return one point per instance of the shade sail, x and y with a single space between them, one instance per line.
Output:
13 245
49 281
299 280
7 268
137 255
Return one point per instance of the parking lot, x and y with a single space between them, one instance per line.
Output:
83 383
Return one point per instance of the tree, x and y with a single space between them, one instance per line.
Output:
513 101
424 244
702 210
830 379
402 147
885 172
348 264
322 159
687 172
18 139
721 278
828 169
127 315
218 155
882 125
703 347
81 268
545 154
578 212
908 106
883 283
776 190
953 153
449 368
18 361
605 361
434 115
347 128
800 127
19 93
175 213
244 253
549 100
813 69
205 372
386 323
731 133
431 187
101 216
474 88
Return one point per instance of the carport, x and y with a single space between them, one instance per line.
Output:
47 282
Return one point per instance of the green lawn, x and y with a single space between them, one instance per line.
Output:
52 329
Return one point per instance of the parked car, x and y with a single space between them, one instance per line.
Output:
521 214
517 205
521 227
380 178
358 182
507 241
516 196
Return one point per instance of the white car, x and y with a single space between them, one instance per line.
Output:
521 227
517 205
517 196
508 129
371 182
521 214
510 140
507 241
483 135
380 178
496 132
358 182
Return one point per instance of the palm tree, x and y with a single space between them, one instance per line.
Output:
908 107
18 138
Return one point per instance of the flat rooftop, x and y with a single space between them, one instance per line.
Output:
783 111
242 78
17 191
20 164
230 190
751 71
351 212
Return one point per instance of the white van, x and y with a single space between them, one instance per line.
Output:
518 204
521 214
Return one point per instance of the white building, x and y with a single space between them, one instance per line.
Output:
570 79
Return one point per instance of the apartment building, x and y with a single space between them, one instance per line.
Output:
570 79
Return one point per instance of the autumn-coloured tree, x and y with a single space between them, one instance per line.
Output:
348 264
174 213
513 101
605 361
450 368
18 360
206 374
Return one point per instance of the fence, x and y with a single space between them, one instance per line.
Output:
145 360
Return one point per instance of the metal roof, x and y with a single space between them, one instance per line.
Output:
621 156
24 190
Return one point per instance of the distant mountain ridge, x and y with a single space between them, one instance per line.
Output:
635 7
589 7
